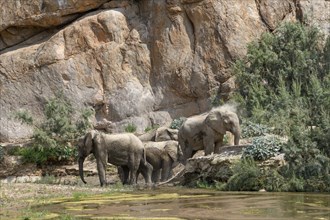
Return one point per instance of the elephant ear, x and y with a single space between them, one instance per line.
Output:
172 150
89 141
215 121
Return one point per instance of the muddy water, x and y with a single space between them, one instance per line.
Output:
174 203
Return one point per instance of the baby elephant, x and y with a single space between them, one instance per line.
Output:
161 155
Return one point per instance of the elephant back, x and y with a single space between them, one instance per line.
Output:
171 148
121 147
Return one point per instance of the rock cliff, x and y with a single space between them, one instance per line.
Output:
134 61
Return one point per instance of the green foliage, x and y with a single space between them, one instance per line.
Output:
147 129
250 129
273 181
247 177
203 184
216 100
306 162
176 123
154 127
284 83
51 138
2 153
262 148
131 128
83 122
24 116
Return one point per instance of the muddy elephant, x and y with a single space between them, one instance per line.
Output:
124 150
162 156
206 132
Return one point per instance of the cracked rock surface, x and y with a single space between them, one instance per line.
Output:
140 62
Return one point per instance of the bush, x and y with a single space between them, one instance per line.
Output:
51 138
250 129
247 177
154 127
262 148
131 128
176 123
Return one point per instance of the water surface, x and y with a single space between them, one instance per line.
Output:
182 203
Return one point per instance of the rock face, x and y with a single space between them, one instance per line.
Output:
142 62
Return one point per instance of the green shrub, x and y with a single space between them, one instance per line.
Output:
216 100
154 127
250 129
203 184
51 138
24 116
273 181
147 129
306 162
262 148
131 128
176 123
247 177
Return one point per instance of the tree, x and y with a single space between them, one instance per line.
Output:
51 138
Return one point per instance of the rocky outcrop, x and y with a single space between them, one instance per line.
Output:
219 167
21 20
142 62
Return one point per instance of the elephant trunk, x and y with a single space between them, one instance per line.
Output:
81 168
237 135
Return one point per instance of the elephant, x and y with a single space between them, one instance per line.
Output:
162 156
206 132
125 150
163 133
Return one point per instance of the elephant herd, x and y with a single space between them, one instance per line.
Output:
155 160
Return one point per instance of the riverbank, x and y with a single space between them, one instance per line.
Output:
16 199
44 201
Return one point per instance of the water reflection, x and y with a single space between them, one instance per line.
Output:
173 203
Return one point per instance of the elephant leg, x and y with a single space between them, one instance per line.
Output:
218 145
101 167
155 176
188 152
133 169
208 142
147 171
132 176
123 174
166 169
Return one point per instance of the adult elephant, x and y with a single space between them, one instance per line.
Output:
162 156
206 132
124 150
